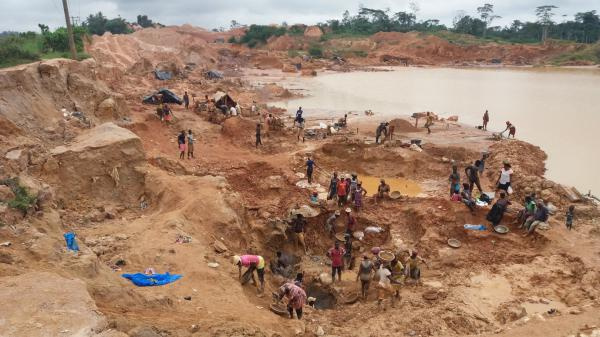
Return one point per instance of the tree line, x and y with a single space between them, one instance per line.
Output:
16 48
584 27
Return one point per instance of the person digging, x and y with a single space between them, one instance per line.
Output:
254 263
296 298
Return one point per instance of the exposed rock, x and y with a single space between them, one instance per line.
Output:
14 154
325 278
108 110
219 246
45 304
102 164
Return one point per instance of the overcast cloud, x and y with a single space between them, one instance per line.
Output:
23 15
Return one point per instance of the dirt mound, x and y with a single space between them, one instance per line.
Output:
182 45
267 61
45 304
314 32
402 125
102 164
43 89
281 43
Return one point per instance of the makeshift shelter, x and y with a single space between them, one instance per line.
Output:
213 75
168 97
222 99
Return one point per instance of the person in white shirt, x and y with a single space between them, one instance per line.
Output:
384 286
505 178
233 111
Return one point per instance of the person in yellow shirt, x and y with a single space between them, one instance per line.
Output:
397 276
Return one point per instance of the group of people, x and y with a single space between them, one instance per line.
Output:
185 142
349 189
534 211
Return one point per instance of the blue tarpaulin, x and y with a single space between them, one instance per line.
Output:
163 75
71 243
143 280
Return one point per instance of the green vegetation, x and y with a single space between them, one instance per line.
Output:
296 30
315 50
260 34
98 24
13 51
22 201
584 28
18 48
293 53
588 54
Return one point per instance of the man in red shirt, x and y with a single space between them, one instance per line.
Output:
336 255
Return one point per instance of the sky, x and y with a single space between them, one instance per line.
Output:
24 15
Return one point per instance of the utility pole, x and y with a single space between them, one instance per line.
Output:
69 31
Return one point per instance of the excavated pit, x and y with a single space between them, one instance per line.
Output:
325 298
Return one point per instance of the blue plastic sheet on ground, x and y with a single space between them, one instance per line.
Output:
143 280
71 243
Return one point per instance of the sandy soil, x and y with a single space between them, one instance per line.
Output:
239 195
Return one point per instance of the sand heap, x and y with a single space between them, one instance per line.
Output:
43 89
49 305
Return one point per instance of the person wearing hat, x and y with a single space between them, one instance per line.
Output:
336 255
350 222
298 226
365 271
330 223
254 263
383 191
503 182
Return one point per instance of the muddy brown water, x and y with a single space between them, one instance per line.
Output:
556 109
405 186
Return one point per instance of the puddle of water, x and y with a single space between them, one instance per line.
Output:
405 186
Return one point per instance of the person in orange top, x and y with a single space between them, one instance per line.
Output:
341 192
